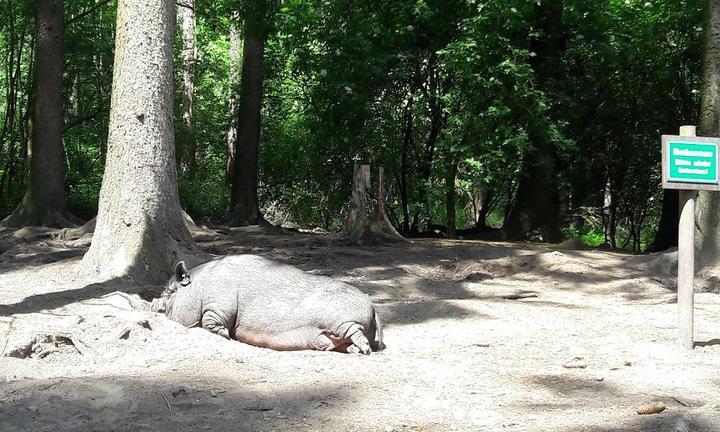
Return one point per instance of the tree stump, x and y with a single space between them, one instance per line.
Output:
359 229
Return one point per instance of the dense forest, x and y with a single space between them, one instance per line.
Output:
535 120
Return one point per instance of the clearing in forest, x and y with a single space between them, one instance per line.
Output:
480 336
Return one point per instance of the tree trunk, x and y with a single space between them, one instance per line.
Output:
450 200
667 234
358 228
537 203
232 134
407 145
707 207
244 208
139 226
44 201
186 21
357 220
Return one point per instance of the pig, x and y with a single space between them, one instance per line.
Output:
268 304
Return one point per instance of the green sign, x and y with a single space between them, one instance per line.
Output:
692 162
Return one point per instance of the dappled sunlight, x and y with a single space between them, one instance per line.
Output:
496 325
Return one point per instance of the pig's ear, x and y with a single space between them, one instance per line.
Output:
181 274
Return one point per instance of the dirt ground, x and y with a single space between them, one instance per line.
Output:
480 337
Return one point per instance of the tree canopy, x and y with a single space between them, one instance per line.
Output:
452 98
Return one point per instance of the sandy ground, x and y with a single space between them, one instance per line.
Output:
480 337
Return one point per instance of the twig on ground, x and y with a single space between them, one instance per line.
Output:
166 403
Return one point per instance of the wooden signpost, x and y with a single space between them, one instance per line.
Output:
689 163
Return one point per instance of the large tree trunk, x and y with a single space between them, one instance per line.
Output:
44 201
537 203
244 208
186 21
234 73
139 229
708 203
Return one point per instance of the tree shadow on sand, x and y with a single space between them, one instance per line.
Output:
168 402
581 393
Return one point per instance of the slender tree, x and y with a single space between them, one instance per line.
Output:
708 203
186 22
234 76
139 226
244 209
44 201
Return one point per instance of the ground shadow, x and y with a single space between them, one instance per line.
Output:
421 311
170 402
53 300
663 422
579 392
711 342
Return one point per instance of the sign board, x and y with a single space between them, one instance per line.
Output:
690 163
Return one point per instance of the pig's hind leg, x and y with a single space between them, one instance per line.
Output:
355 335
215 323
327 341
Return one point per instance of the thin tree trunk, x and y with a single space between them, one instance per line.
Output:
234 73
44 201
244 208
407 145
450 199
140 230
707 207
437 123
186 22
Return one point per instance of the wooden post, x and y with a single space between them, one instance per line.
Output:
686 261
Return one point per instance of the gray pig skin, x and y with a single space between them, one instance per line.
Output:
265 303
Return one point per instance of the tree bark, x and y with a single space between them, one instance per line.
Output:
244 208
44 201
235 59
667 233
406 146
450 199
140 231
537 200
537 203
707 236
357 220
186 21
358 228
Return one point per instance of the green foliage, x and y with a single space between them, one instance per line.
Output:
415 86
